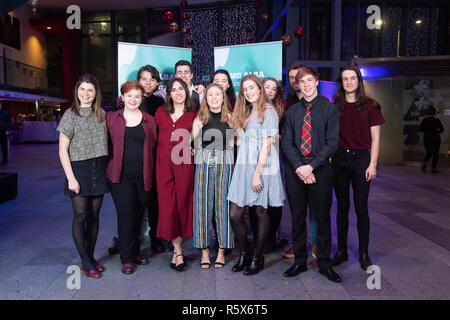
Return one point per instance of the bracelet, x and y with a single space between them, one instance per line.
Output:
372 165
259 171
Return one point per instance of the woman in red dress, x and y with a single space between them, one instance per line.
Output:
175 168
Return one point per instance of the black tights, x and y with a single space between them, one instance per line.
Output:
239 228
85 227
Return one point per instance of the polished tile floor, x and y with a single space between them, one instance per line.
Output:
410 242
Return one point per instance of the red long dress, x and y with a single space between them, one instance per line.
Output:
175 182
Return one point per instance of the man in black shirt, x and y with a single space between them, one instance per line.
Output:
431 128
310 136
5 126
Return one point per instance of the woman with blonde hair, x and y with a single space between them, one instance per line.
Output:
213 140
256 178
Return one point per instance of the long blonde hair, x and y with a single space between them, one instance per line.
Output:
243 107
204 114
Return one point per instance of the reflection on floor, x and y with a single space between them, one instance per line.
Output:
410 242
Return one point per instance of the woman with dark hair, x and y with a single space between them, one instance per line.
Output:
431 128
214 144
223 78
355 160
256 177
130 169
175 168
83 150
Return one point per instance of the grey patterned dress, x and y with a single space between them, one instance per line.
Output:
241 191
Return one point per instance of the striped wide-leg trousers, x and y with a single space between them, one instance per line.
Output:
212 178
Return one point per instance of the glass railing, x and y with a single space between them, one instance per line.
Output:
20 76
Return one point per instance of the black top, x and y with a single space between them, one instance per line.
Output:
324 136
133 155
431 127
151 104
291 100
210 133
196 98
5 120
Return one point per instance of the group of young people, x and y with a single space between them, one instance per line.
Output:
199 158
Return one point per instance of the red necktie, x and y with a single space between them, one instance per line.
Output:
305 146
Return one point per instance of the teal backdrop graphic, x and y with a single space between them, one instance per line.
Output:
132 56
261 59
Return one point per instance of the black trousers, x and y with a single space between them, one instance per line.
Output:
152 209
350 166
4 143
320 194
432 148
130 200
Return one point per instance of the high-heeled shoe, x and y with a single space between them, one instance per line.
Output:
99 267
243 262
180 267
255 266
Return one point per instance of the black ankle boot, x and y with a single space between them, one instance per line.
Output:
339 257
364 261
243 262
256 266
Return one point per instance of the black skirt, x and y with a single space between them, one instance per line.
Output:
91 175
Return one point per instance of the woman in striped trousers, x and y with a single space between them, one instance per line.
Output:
213 141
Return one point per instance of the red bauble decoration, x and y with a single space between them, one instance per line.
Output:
183 3
287 40
248 30
258 3
189 42
184 16
298 32
249 40
186 29
173 27
168 16
264 17
260 35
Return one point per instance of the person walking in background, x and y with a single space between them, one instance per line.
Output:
130 170
355 160
5 127
175 168
431 128
83 150
214 164
256 178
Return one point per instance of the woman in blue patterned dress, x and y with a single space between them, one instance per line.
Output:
256 177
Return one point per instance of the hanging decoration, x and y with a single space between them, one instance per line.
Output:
173 27
184 16
287 40
248 30
34 4
264 17
298 32
189 42
183 3
169 16
186 29
257 3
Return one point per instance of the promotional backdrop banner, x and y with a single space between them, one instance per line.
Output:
132 56
261 59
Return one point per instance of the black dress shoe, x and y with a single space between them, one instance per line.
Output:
157 245
243 262
330 274
339 257
295 270
255 266
364 261
114 249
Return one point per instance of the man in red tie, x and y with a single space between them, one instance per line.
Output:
310 136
